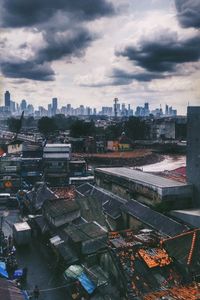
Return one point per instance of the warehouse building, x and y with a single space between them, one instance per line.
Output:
156 191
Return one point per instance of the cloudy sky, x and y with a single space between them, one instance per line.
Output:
91 51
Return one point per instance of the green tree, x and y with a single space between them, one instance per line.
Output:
47 126
135 128
80 128
113 132
14 124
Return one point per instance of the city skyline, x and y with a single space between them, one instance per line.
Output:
116 109
80 54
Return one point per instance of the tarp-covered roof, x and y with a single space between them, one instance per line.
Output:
8 291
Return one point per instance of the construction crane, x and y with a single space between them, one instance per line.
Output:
115 107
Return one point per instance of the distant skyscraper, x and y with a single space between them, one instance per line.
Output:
12 106
23 105
30 109
146 109
166 110
54 106
49 110
7 99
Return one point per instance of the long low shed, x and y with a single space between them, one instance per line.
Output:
145 187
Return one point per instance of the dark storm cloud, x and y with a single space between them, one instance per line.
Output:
62 44
62 24
127 77
163 54
188 13
27 69
23 13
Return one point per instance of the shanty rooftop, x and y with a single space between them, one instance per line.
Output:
154 219
140 177
85 231
9 291
190 292
59 207
145 265
64 192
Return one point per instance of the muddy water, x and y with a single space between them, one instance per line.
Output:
169 163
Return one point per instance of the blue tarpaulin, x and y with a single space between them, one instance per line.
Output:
25 294
18 273
3 273
3 265
86 283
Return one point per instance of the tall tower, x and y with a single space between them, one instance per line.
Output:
193 150
54 106
115 107
7 99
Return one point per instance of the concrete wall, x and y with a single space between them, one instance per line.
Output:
193 151
61 220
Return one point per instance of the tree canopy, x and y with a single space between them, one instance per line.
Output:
80 128
14 124
47 125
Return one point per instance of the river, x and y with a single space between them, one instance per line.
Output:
170 162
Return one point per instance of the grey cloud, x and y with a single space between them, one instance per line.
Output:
127 77
3 42
163 54
188 13
27 69
23 13
123 77
62 44
62 24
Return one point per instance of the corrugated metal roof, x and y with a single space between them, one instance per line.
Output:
110 203
84 232
56 155
139 176
59 207
154 219
185 248
57 145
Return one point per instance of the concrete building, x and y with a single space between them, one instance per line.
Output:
56 163
54 106
193 151
7 99
150 189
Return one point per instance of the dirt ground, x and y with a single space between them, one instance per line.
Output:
124 154
133 158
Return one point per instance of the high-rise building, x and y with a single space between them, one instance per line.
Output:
146 109
23 105
193 150
49 110
54 106
166 110
12 106
30 109
7 99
